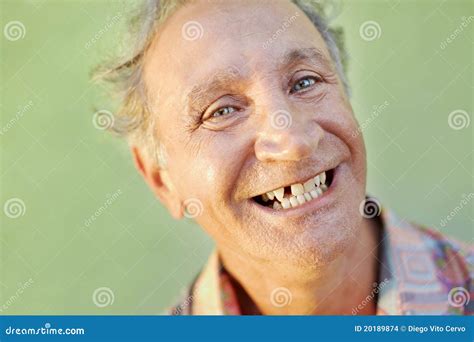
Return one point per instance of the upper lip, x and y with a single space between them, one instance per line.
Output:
299 179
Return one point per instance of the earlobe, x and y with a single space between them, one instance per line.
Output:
171 199
159 182
176 210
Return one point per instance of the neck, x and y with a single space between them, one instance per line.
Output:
334 289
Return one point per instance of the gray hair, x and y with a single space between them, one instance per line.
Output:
133 119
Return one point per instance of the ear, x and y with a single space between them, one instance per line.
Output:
159 181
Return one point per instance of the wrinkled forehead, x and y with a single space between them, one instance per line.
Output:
240 36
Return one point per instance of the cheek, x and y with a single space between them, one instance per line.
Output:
223 156
341 120
207 167
212 176
336 117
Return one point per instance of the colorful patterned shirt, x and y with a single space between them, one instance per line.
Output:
424 273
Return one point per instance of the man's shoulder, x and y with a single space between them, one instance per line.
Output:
431 272
436 242
452 259
440 242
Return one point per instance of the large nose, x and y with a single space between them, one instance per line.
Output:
286 133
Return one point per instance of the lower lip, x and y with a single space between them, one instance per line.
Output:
307 207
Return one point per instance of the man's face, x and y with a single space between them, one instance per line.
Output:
247 101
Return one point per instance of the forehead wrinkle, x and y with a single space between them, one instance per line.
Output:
310 54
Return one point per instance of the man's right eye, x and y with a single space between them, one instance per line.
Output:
223 111
304 83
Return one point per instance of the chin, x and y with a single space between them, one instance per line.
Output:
320 244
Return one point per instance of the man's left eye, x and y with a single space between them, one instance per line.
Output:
223 111
303 84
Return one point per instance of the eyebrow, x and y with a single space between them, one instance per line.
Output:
220 80
224 78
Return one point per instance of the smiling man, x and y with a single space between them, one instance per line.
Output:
241 110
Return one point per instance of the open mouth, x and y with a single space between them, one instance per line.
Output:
297 194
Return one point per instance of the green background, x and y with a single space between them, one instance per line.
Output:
64 169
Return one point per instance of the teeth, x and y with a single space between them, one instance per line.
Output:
317 180
293 201
285 203
323 178
301 193
309 185
297 189
279 194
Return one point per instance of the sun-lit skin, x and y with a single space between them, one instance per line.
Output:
223 149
